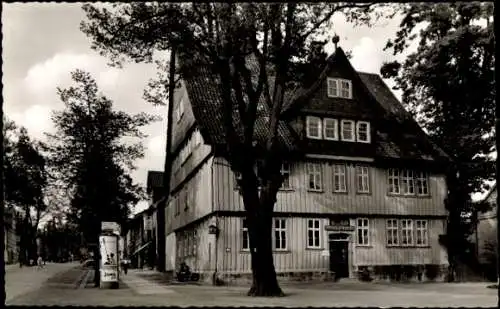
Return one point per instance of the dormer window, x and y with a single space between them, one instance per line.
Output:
339 88
330 129
347 130
313 127
363 132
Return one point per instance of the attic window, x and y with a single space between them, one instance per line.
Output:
363 131
339 88
313 127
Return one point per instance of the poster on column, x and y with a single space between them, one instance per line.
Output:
108 246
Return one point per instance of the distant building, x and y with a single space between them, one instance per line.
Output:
486 230
141 238
11 240
367 192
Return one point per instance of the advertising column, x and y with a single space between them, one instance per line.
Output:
108 246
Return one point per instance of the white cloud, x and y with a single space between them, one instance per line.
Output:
366 56
156 145
36 119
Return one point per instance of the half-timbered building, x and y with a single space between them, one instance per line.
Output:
367 191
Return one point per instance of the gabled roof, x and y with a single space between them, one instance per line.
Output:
410 142
204 92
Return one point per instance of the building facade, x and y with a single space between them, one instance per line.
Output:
367 191
486 232
11 240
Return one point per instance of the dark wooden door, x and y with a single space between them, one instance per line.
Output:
339 258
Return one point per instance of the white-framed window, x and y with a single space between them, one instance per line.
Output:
245 237
392 232
313 233
347 130
339 88
422 235
406 232
363 131
422 183
345 89
363 231
362 179
330 129
313 127
407 182
339 178
333 87
393 180
236 179
314 176
285 172
280 234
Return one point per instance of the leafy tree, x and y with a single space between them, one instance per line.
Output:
25 183
448 82
223 37
88 153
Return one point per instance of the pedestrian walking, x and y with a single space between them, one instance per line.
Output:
125 264
39 262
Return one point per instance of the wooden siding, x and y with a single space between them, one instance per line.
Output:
199 200
300 199
232 259
486 236
204 258
181 171
378 253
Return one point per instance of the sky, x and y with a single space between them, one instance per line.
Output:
42 44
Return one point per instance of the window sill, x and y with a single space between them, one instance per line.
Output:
364 246
247 251
409 246
286 190
314 248
281 251
364 193
408 195
340 192
314 137
315 191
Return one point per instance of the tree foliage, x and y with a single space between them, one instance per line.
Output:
227 38
448 83
25 173
88 154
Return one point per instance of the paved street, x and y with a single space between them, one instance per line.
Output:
20 281
138 288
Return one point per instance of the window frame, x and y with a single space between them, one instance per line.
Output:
362 176
363 227
245 235
368 136
330 94
236 176
418 232
341 88
353 130
314 237
418 179
393 174
335 124
407 231
407 177
311 171
281 230
392 232
336 173
309 119
286 179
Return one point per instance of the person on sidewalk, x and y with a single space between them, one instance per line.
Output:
125 263
39 262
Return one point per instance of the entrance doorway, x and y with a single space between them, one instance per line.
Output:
339 254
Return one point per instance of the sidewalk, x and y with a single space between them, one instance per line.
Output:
141 286
19 281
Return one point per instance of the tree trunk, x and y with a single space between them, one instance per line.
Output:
264 281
